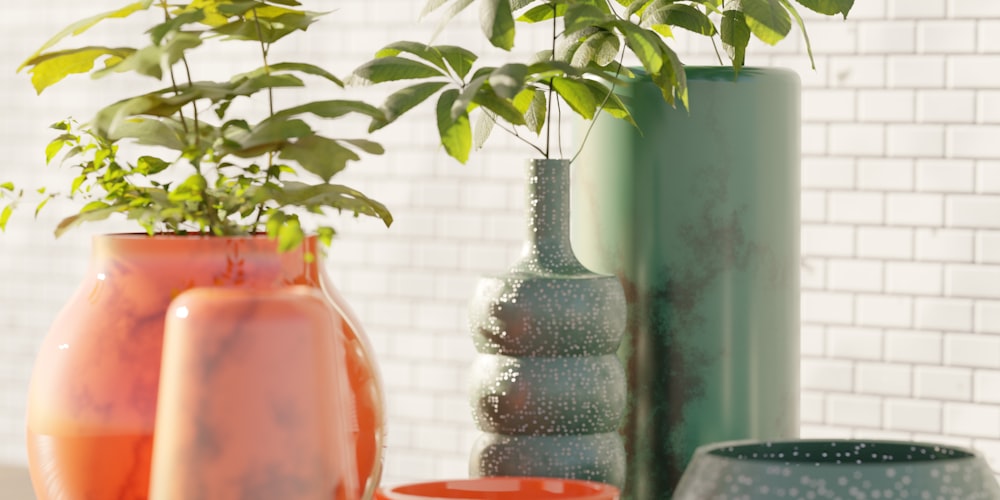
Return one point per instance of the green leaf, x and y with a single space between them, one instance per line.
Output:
5 216
270 30
735 36
394 68
542 13
334 108
269 135
319 155
41 205
456 7
456 133
93 211
150 165
404 100
767 19
160 31
305 68
802 28
497 22
192 189
77 182
256 84
325 235
644 44
431 6
580 16
421 50
609 102
828 7
290 235
460 59
146 131
482 130
150 61
370 147
576 93
50 68
7 186
602 47
85 24
488 98
677 14
534 118
508 80
327 195
53 149
638 7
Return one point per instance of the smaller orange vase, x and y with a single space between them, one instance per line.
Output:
502 488
253 399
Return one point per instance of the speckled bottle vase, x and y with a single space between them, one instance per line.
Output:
548 390
699 217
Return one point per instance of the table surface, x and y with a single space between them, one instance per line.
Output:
15 483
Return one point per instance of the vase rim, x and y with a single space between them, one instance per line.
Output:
755 445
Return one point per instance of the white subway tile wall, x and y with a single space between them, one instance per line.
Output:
900 232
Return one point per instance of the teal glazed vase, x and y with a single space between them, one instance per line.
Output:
548 391
697 212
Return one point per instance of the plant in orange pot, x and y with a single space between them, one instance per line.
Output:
224 199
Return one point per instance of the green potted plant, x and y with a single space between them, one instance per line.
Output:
520 326
230 189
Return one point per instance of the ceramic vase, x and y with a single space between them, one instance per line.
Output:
253 399
92 400
548 390
697 211
836 469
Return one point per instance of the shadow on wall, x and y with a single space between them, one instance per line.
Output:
15 483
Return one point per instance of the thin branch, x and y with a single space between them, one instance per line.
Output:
264 49
513 132
714 46
173 79
559 125
590 127
548 119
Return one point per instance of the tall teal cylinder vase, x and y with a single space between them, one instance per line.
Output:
698 214
548 389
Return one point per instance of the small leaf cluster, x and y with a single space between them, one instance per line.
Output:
581 67
222 174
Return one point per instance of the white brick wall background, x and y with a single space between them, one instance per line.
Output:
900 225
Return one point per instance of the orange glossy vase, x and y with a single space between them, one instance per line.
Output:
92 401
253 399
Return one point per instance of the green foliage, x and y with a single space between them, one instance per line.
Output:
226 175
581 67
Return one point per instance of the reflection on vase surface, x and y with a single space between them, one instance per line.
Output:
91 466
836 469
95 379
253 400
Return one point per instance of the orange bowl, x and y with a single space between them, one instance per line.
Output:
502 488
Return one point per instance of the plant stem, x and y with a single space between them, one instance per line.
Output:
513 132
270 107
173 79
548 119
600 108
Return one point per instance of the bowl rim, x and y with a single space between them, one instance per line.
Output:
600 490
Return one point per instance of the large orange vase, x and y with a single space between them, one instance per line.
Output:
92 401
